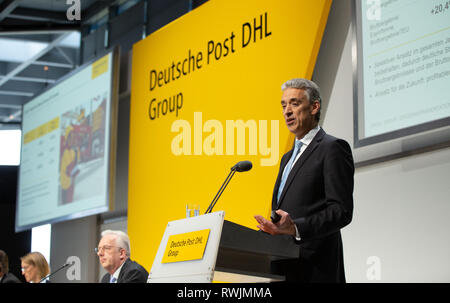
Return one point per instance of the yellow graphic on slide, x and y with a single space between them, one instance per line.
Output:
41 130
100 66
82 146
205 94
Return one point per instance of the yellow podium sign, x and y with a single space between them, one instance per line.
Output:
186 247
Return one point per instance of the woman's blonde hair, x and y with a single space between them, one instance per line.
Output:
37 260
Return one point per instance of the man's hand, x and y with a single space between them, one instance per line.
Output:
283 227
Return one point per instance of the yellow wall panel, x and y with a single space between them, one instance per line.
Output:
205 95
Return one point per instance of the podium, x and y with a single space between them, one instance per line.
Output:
209 248
246 255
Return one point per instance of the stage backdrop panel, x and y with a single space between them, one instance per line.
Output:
206 92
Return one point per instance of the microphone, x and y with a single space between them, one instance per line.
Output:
242 166
274 216
238 167
51 274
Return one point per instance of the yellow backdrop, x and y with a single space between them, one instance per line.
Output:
205 95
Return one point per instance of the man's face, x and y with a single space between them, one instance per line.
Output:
298 113
110 255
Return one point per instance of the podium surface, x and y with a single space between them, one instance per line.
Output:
208 248
246 255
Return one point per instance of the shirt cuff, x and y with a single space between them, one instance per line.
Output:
297 234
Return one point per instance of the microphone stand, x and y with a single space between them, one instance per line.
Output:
222 188
51 274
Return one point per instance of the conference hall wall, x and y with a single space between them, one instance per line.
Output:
205 94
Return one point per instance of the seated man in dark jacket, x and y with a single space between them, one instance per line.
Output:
114 255
5 275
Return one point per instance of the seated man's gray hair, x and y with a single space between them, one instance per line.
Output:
123 241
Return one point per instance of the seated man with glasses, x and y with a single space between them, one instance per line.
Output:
114 255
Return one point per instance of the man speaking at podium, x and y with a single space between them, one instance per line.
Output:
313 192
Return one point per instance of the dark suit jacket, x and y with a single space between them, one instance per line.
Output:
318 195
9 278
131 272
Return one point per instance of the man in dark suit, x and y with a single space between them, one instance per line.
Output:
313 192
5 275
114 255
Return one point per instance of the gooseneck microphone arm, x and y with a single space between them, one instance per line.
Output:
240 167
51 274
219 193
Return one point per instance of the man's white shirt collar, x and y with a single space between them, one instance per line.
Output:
306 140
117 272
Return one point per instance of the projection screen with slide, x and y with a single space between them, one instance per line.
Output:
67 147
402 80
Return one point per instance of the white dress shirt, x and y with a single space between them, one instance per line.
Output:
117 272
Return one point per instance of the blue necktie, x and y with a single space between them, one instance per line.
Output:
113 279
287 169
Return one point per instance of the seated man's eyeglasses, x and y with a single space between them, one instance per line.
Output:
105 248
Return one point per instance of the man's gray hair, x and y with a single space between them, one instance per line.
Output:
311 89
122 239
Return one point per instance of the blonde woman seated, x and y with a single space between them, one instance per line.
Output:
34 267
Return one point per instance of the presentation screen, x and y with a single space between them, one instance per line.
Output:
65 150
403 68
